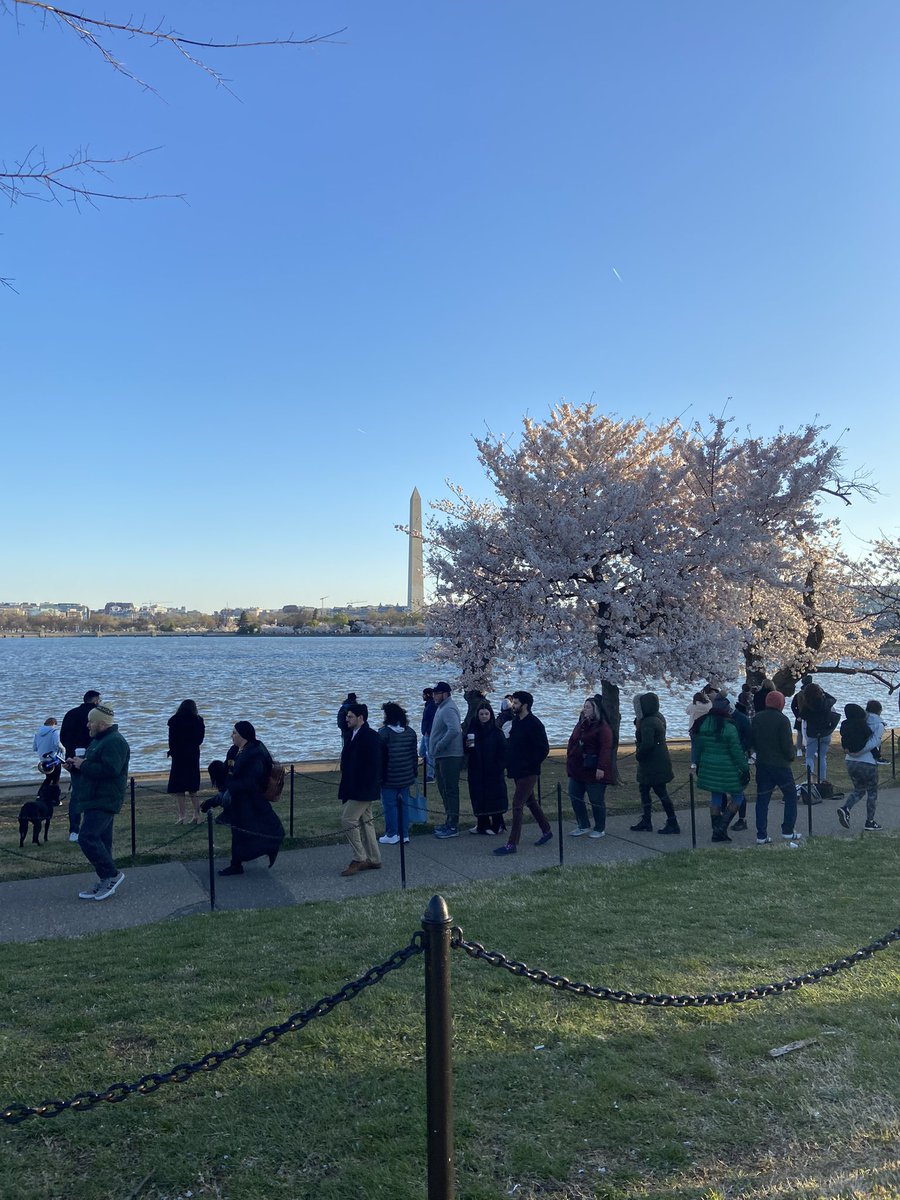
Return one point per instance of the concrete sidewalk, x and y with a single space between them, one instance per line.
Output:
31 909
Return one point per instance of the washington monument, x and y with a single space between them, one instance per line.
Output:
415 587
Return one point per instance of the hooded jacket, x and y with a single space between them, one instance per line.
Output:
103 775
857 737
772 739
654 766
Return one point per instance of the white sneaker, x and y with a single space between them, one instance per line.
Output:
389 839
108 886
91 893
598 833
791 837
73 837
579 831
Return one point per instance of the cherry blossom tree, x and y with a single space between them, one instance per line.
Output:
619 550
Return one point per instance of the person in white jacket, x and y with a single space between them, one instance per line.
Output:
46 743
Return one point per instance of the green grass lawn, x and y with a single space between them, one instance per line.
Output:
316 814
556 1096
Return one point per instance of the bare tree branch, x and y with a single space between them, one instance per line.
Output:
33 176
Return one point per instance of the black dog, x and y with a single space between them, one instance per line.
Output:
39 811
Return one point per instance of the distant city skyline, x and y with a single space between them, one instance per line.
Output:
396 241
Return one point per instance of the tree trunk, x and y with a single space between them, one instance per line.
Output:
610 696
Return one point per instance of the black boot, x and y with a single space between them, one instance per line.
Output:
671 826
232 869
644 825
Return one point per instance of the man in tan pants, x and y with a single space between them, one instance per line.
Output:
360 786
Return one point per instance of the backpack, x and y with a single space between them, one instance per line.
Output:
275 783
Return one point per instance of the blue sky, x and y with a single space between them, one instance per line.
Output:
391 243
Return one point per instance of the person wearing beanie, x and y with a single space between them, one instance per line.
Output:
445 748
860 743
773 744
102 776
722 768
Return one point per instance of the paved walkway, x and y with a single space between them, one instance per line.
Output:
31 909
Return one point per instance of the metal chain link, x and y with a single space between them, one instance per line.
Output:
664 999
13 1114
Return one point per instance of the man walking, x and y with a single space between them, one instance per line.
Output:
445 746
102 776
360 786
527 749
774 745
75 738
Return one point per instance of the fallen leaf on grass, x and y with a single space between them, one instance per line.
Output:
779 1050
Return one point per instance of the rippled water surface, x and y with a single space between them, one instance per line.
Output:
290 688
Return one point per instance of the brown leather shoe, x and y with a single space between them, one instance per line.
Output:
371 866
354 867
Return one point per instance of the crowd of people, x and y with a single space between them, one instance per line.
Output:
497 749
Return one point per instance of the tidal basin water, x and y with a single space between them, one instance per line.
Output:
290 688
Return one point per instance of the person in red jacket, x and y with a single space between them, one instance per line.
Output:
589 768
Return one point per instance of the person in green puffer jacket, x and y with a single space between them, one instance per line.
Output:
654 766
102 780
722 767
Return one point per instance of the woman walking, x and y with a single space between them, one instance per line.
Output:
654 765
486 757
399 768
722 767
589 768
255 827
186 734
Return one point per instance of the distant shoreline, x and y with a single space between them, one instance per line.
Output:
215 633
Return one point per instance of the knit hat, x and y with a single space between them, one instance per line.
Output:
101 714
775 700
721 706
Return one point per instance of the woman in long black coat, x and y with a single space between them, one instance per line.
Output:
487 771
186 734
255 827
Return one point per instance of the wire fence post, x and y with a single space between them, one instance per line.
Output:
402 832
893 757
133 822
291 817
809 801
211 850
425 778
436 924
559 820
693 811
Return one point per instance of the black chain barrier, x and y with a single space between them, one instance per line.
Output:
665 999
14 1114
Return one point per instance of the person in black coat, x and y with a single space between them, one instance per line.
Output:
486 755
255 827
75 738
527 749
359 788
186 734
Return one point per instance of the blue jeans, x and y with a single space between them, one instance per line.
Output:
596 793
817 756
389 797
767 779
719 800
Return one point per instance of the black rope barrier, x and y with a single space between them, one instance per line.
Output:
14 1114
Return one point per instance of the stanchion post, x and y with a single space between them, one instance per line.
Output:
893 756
425 778
693 811
212 861
291 819
436 923
402 840
133 822
809 805
559 820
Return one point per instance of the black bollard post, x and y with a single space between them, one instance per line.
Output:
402 841
425 778
436 923
693 812
212 860
809 806
291 821
893 757
133 823
559 820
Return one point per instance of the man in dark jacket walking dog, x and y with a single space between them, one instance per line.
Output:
526 750
359 788
102 776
